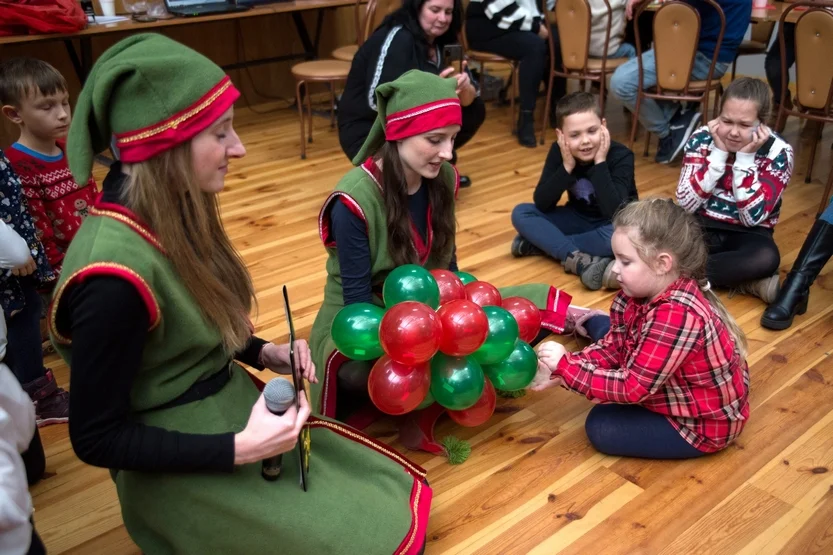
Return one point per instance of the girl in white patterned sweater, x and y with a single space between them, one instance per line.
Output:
734 173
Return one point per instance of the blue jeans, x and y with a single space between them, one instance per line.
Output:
625 50
827 215
563 230
655 115
634 431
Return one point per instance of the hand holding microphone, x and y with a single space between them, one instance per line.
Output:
266 434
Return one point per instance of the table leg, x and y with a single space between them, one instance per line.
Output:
73 57
309 47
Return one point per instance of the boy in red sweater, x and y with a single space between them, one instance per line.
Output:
34 95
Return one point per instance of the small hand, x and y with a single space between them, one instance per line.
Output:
25 269
544 379
543 32
713 125
550 352
566 156
759 137
276 358
447 72
629 8
604 146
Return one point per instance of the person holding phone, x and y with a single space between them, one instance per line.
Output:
734 173
418 35
152 315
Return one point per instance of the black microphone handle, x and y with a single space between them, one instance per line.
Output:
271 467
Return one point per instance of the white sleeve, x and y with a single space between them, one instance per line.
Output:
13 248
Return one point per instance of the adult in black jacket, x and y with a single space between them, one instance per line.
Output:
412 37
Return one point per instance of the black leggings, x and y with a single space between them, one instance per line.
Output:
739 256
351 136
525 46
772 63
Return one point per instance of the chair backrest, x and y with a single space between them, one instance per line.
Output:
813 48
363 17
380 10
573 20
762 31
676 37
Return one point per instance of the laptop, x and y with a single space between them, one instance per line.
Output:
193 8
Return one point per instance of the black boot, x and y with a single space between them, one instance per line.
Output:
795 291
526 128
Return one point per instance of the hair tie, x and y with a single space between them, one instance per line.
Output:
706 287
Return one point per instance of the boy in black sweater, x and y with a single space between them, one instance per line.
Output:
597 174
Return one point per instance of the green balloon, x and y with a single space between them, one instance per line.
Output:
429 400
410 282
516 371
355 331
503 333
456 382
465 277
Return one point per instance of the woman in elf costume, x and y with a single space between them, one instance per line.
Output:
397 207
151 313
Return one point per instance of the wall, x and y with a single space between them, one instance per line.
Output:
224 42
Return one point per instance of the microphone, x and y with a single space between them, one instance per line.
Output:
279 395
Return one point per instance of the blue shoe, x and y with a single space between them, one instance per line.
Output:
682 126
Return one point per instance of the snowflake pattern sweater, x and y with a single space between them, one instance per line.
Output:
57 203
740 189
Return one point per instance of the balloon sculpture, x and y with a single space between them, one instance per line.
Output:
444 337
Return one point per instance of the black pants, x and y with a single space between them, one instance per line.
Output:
525 46
24 352
773 61
351 136
739 256
34 461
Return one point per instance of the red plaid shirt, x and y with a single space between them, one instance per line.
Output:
672 355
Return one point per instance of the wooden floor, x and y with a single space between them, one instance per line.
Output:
533 483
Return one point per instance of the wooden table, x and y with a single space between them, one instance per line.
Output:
83 62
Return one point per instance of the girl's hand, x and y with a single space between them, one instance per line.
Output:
544 379
550 352
713 125
759 137
276 358
26 269
267 434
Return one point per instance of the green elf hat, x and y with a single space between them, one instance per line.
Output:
152 93
415 103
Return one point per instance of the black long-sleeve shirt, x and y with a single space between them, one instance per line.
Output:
354 260
108 323
612 183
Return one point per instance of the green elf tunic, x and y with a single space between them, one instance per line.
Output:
361 190
362 496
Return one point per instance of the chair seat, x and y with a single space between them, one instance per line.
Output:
700 86
595 64
480 56
322 70
345 53
751 47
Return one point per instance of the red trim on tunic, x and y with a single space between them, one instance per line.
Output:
554 316
128 218
424 118
327 403
421 496
105 269
142 144
324 231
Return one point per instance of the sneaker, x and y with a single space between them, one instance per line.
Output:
589 268
609 278
682 126
51 402
521 247
765 289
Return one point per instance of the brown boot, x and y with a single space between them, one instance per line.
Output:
765 289
51 402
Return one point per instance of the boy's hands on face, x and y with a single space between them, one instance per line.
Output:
566 155
604 145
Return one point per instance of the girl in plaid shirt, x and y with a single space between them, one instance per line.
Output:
672 367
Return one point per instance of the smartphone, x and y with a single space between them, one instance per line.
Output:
453 53
754 130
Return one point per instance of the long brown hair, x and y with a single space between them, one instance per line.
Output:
661 225
749 88
164 193
395 192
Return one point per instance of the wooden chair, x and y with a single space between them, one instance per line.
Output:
573 19
484 58
676 37
316 71
813 75
346 53
757 44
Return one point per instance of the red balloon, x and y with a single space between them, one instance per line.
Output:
480 412
465 328
410 332
397 388
451 287
527 315
482 293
